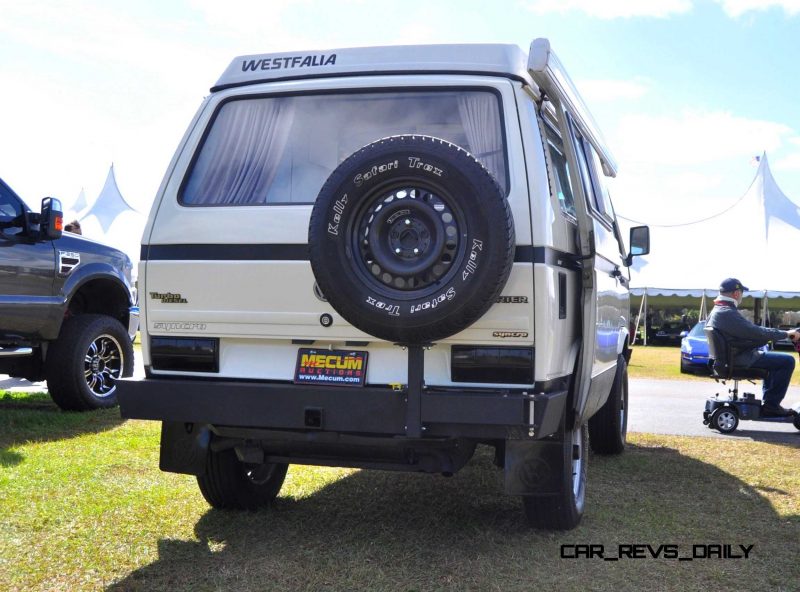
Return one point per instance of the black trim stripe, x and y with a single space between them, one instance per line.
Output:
211 252
299 252
548 256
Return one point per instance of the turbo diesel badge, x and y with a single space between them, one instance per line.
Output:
168 298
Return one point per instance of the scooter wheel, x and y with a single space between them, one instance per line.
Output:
725 420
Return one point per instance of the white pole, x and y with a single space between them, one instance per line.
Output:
703 312
644 301
638 320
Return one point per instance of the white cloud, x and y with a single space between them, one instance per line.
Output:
596 91
611 9
736 8
675 169
789 163
254 24
696 137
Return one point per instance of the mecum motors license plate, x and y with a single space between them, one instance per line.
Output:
332 367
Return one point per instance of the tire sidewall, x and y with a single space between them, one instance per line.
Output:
431 165
621 404
577 500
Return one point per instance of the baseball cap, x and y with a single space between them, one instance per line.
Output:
731 285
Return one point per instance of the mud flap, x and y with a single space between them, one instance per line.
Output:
184 447
534 467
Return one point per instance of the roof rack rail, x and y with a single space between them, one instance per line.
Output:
548 72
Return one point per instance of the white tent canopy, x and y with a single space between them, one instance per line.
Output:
752 240
113 221
109 204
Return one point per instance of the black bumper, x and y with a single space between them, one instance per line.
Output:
374 411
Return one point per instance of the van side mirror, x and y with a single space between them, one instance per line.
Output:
640 243
51 220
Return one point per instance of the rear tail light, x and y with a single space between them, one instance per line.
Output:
506 365
184 354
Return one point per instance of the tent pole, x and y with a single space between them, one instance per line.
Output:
644 302
703 313
638 320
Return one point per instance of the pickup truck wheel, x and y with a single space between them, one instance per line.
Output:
564 510
231 484
91 353
608 428
411 239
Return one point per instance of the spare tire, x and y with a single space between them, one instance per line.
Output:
411 239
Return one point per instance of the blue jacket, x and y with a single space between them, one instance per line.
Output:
727 319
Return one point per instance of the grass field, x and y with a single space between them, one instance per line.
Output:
664 362
83 506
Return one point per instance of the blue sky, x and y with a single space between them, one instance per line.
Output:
686 91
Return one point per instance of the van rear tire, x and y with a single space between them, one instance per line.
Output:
230 484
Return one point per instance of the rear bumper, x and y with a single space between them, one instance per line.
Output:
367 411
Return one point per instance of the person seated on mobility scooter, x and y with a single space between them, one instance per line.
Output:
728 330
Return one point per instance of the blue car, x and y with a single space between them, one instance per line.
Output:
694 350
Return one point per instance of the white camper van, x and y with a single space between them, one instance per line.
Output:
381 258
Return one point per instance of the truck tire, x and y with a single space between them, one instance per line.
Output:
91 353
608 428
231 484
411 239
564 510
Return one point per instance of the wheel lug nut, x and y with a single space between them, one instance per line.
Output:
397 251
416 251
408 221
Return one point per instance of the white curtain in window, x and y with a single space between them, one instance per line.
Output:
481 123
240 157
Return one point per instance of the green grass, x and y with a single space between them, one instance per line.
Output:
664 362
83 506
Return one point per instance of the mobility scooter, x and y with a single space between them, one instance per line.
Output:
724 414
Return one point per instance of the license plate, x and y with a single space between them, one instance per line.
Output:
331 367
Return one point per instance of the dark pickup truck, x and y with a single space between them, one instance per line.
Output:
67 308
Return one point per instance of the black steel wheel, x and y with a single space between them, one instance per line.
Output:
411 239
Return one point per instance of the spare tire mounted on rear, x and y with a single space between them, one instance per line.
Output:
411 239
